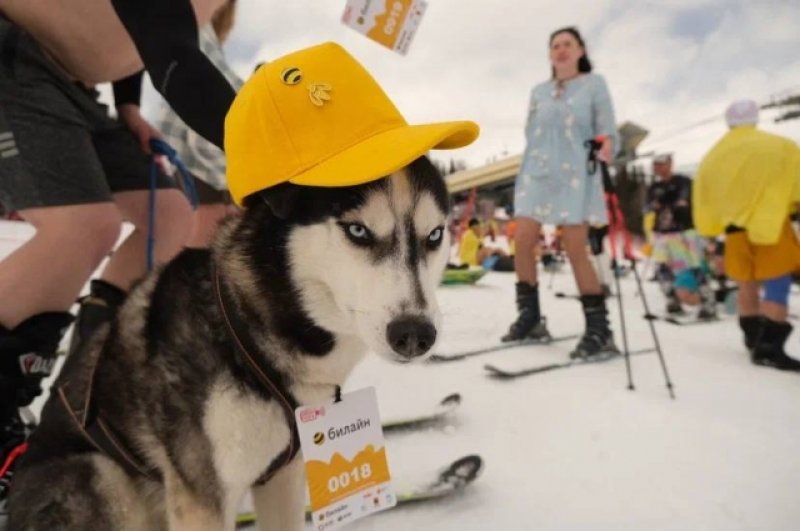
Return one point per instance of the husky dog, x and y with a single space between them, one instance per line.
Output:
194 379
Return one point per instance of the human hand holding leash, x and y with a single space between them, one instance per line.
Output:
131 116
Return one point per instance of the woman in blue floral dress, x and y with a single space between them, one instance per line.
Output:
554 186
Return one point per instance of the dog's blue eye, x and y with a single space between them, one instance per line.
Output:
435 237
358 231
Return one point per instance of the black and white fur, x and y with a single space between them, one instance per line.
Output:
320 276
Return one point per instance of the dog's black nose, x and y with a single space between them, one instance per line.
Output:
411 336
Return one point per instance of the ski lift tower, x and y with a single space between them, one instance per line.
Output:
631 135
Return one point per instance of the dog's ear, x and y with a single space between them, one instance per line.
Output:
281 199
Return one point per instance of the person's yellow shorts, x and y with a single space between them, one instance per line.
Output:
746 261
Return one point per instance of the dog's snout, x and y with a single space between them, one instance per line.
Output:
411 336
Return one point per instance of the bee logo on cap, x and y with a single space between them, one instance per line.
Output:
291 76
319 438
319 93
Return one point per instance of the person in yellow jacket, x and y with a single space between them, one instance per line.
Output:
471 243
648 223
747 186
471 250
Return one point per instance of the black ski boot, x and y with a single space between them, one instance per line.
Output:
666 281
27 356
97 308
751 326
721 293
598 338
607 293
708 304
529 324
674 307
768 350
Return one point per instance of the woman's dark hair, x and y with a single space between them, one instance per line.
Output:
584 64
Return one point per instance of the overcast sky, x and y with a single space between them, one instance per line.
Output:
669 63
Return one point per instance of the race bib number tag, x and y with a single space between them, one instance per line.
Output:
391 23
345 459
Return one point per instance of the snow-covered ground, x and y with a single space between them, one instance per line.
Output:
575 449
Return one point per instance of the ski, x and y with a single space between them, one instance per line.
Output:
562 295
439 414
576 296
446 482
449 480
679 320
458 356
510 374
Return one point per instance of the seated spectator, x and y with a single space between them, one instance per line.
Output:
473 252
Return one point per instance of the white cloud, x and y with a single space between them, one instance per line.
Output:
478 60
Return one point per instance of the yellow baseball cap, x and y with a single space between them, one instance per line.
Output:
316 117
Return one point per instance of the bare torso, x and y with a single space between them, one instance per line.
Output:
85 37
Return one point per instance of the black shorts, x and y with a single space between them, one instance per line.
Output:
58 145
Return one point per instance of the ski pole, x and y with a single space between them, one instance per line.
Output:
613 201
613 229
652 325
618 219
613 232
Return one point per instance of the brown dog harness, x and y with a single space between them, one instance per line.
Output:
101 434
266 375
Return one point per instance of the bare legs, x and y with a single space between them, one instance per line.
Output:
575 241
